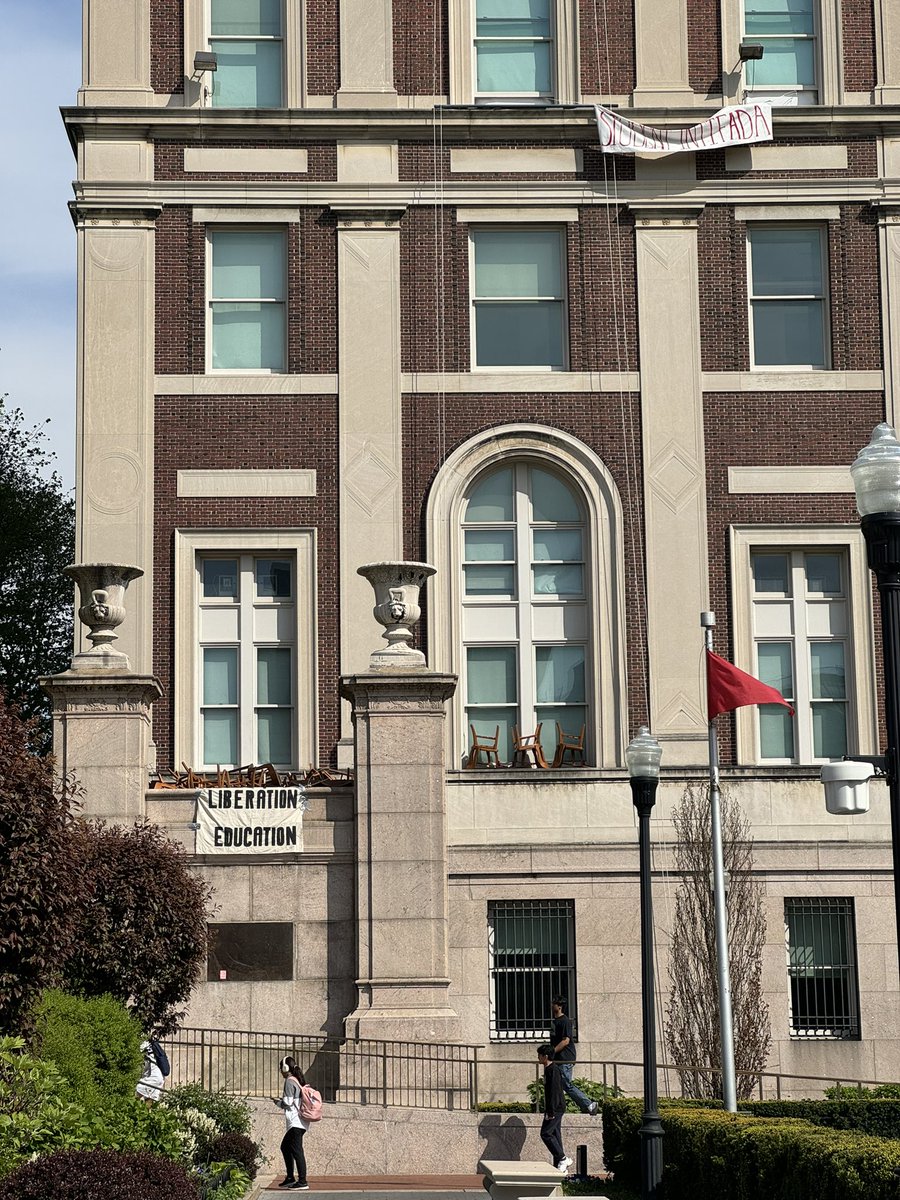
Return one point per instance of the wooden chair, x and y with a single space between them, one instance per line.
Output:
486 746
166 778
568 743
525 744
267 774
191 779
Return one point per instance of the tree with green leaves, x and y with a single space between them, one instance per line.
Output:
692 1021
37 539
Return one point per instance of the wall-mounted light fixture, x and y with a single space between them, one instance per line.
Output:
204 60
751 50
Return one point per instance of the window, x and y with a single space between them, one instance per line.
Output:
518 298
801 627
788 296
787 72
821 952
514 49
249 951
803 624
247 38
531 945
246 328
524 596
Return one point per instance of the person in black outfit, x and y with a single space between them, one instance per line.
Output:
554 1107
563 1039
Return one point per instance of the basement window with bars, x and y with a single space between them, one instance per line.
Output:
531 945
821 952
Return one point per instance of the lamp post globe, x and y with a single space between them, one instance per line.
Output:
876 481
643 757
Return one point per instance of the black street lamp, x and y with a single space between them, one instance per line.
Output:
642 756
876 479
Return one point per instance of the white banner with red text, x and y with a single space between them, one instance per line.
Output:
738 125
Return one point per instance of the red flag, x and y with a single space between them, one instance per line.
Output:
728 688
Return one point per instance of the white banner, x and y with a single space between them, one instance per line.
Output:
250 820
737 125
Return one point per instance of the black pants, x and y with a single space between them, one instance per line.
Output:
292 1152
551 1136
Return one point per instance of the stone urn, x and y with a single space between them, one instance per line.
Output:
102 588
397 586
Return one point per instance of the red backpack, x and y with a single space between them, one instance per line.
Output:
310 1106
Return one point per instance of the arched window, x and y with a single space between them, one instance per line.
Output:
525 529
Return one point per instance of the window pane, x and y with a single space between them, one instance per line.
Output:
490 545
273 735
779 16
220 665
518 263
507 67
220 577
489 581
786 62
248 74
248 337
829 730
823 573
491 675
558 581
492 498
220 737
557 544
530 947
273 577
513 18
273 676
771 574
827 660
776 732
786 262
248 266
523 333
486 720
788 333
246 18
776 666
571 718
822 967
551 500
559 674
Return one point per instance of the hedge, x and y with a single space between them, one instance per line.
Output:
709 1154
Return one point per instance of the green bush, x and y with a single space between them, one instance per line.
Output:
79 1174
231 1114
593 1091
94 1043
238 1149
709 1154
879 1118
881 1091
224 1181
501 1106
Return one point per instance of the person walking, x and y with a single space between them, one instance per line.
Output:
292 1142
563 1039
554 1108
151 1083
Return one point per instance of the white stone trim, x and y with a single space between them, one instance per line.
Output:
521 213
604 529
478 160
246 483
784 481
240 215
219 159
368 162
786 158
767 380
186 669
506 380
787 212
223 384
862 712
661 55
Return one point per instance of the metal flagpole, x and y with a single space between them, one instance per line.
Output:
726 1033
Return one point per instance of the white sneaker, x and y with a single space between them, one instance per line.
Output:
563 1165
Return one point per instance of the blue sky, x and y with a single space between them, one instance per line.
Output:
41 72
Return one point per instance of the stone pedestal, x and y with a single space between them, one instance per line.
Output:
402 860
101 736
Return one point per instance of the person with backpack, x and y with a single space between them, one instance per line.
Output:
302 1105
156 1068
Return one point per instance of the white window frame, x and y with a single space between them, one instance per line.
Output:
563 300
604 570
862 729
829 75
197 23
212 230
190 546
824 296
565 65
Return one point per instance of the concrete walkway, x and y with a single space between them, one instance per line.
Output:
410 1187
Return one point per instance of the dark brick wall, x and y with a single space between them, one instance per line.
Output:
435 292
433 428
855 300
704 31
606 47
323 54
774 429
321 161
167 46
418 161
421 48
181 293
242 433
858 21
862 161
